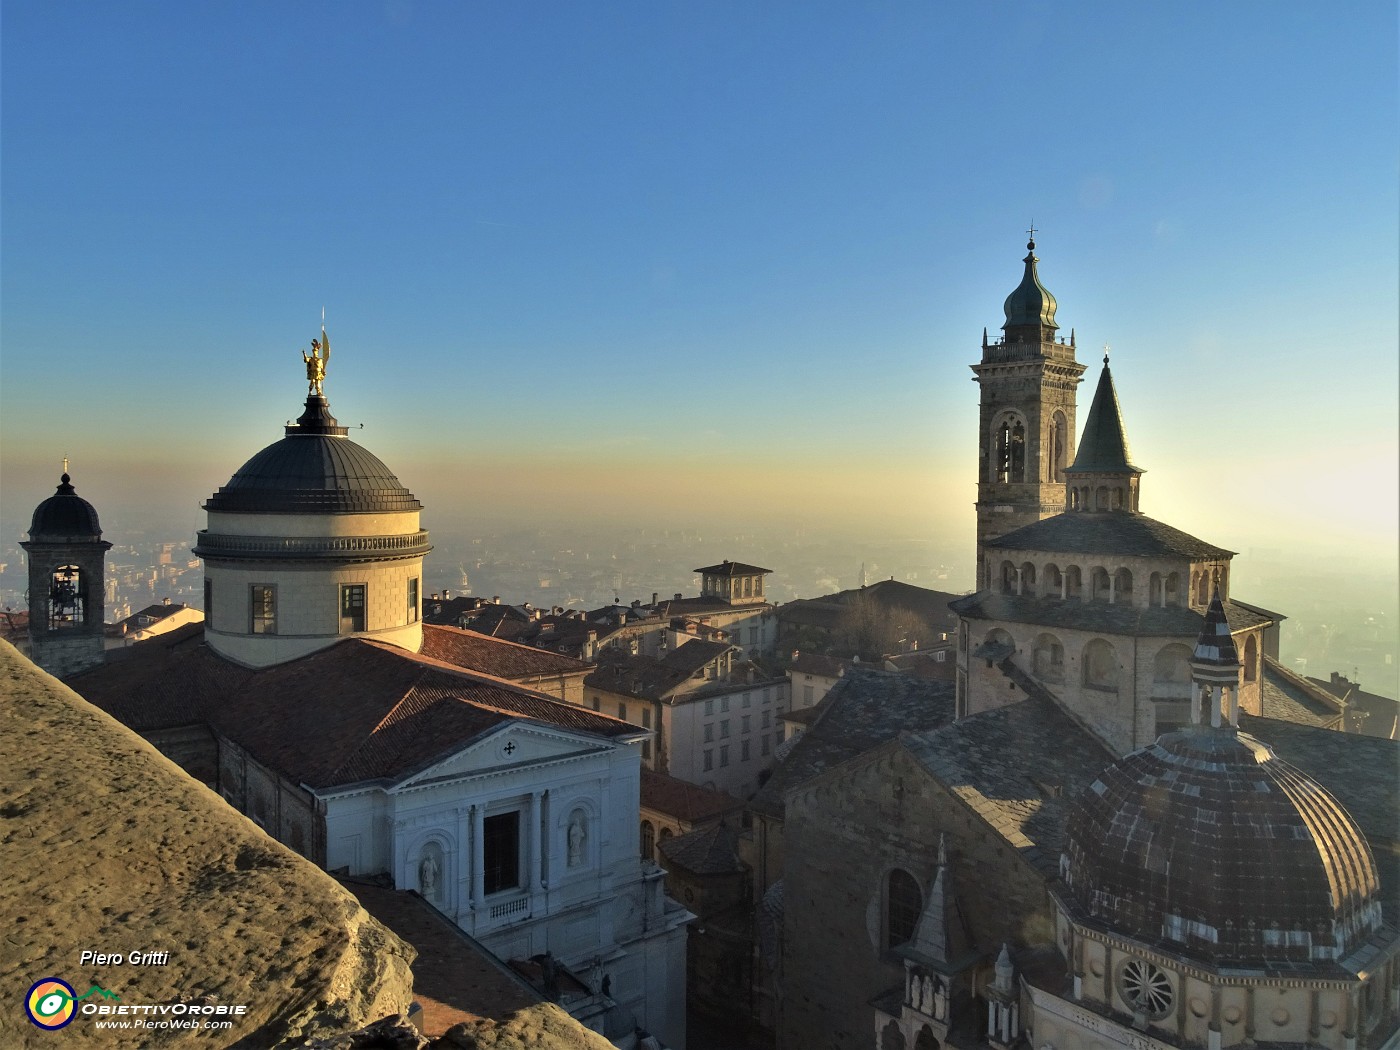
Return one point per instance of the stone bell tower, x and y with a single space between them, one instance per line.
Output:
1027 422
66 553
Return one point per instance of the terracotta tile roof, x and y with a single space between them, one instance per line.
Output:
684 801
358 710
495 656
863 710
455 978
1077 614
1082 532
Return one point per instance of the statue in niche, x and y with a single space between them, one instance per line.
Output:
578 836
428 871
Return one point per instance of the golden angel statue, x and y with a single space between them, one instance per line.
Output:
316 362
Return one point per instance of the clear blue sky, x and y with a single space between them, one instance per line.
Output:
579 256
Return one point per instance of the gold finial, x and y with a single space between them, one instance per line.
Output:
65 463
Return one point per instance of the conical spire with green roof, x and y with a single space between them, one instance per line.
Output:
1103 476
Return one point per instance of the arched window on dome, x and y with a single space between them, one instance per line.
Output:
903 903
1054 581
1172 589
1154 591
1098 584
1101 498
1074 582
1028 578
1202 588
67 600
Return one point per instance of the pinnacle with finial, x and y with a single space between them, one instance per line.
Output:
1106 349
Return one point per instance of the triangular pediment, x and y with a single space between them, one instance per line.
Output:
507 748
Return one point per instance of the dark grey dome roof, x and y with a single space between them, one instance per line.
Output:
65 516
1206 841
314 469
1030 303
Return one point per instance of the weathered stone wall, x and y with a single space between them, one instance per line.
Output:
845 832
106 845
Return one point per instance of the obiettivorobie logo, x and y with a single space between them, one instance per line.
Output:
51 1003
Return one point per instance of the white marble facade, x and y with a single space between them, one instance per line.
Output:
527 839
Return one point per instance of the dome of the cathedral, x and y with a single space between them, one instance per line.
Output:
1030 303
315 468
65 516
1206 841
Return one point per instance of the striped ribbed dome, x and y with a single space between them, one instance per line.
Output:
1207 842
314 469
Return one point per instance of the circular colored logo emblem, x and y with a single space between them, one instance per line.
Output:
49 1003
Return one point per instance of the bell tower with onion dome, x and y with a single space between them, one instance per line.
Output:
1027 421
66 598
312 540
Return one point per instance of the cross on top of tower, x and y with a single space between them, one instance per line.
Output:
1031 234
1106 349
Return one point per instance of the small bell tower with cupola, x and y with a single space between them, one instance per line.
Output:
66 599
1027 422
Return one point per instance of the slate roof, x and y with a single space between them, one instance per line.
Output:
64 517
358 710
827 610
1103 448
730 568
1102 617
683 800
712 850
1361 772
314 469
1368 713
816 663
1107 532
495 656
1291 698
1206 841
1018 767
863 710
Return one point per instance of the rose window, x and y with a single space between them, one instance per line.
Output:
1146 988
